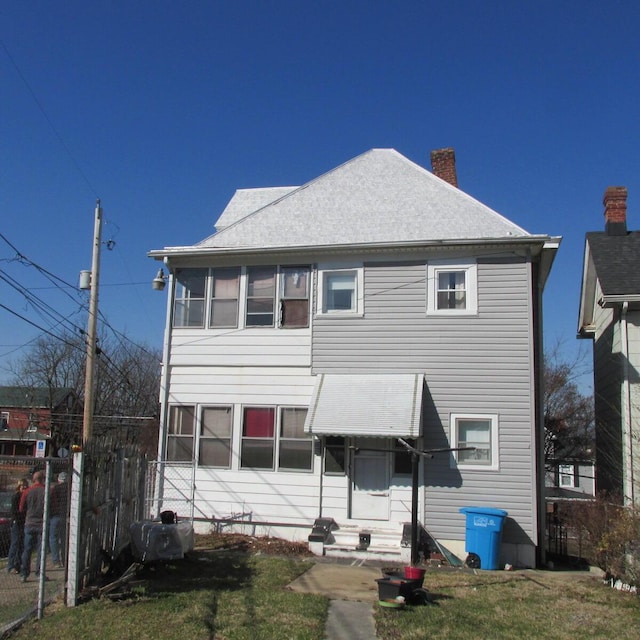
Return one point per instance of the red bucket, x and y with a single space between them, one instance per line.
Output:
414 573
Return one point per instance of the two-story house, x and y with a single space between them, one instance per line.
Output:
319 324
610 316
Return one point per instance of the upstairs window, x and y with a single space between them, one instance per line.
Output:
4 421
225 284
180 433
261 292
566 476
294 297
340 291
452 288
191 286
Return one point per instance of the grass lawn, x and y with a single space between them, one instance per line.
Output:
235 595
221 595
497 605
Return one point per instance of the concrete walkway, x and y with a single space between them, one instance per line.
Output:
353 592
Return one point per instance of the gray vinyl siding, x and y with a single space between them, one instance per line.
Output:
480 364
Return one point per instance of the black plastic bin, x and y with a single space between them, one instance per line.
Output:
391 588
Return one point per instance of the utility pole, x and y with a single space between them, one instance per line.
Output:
89 385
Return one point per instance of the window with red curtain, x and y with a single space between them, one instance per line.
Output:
259 422
258 438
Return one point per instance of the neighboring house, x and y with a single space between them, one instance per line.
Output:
321 323
32 415
571 479
610 316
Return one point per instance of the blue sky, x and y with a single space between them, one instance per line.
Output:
162 109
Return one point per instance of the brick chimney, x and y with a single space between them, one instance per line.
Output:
443 163
615 211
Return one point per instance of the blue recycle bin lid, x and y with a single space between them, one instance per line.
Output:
485 511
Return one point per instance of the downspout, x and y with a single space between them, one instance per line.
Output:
536 288
626 402
164 394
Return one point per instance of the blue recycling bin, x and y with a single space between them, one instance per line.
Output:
483 534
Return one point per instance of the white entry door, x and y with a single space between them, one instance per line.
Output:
370 493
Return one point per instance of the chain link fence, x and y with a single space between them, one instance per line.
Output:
46 580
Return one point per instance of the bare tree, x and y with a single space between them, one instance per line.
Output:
127 375
568 413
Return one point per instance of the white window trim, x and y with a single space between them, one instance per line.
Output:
198 437
470 268
326 269
453 430
566 470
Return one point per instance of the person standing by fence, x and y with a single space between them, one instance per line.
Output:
58 522
32 506
17 529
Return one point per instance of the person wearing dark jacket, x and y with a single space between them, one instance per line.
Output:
32 507
58 502
17 529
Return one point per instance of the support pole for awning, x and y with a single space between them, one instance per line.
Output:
415 457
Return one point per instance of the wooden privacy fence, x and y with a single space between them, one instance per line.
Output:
107 495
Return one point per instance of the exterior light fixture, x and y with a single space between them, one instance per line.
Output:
160 281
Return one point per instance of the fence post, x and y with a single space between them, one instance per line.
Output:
75 530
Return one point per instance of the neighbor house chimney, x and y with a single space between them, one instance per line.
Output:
443 163
615 211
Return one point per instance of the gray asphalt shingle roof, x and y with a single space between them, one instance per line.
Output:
32 397
377 197
246 201
617 262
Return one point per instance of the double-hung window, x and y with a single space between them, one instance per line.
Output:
340 291
215 437
258 438
225 283
261 294
180 433
296 446
273 438
566 476
294 297
191 286
452 287
477 438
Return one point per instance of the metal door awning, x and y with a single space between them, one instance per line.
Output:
378 405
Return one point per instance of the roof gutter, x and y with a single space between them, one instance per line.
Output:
540 242
614 300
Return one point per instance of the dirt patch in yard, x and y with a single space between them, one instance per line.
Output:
251 544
